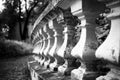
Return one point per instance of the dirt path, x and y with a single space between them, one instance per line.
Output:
14 68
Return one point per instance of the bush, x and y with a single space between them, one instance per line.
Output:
10 48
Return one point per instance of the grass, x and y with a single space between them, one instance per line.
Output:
14 56
10 48
14 68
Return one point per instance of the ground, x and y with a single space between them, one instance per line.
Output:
14 56
14 68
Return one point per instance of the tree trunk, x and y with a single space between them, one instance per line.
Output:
19 20
20 29
25 30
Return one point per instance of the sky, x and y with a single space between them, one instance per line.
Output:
23 5
1 5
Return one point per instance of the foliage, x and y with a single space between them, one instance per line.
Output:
22 12
103 28
4 29
10 48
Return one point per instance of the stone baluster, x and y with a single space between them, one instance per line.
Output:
87 44
47 43
68 44
41 41
44 45
41 45
35 38
50 44
109 50
61 51
57 43
53 50
37 49
37 46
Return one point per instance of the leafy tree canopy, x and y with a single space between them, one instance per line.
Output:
21 11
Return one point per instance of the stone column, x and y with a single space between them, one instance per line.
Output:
61 51
38 46
45 42
41 46
50 44
37 43
35 36
87 44
57 43
109 50
68 44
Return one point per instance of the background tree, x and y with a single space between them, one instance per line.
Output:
28 11
22 12
8 15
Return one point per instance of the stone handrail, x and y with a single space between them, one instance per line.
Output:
45 12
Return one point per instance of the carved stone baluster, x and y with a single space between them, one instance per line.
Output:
77 52
87 44
61 51
47 44
52 51
50 44
109 50
40 41
53 43
46 41
57 43
37 46
41 46
68 44
35 38
44 46
37 49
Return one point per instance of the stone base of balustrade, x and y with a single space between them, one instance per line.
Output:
35 70
113 74
54 76
80 75
84 74
65 71
40 73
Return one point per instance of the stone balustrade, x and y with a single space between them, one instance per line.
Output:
81 40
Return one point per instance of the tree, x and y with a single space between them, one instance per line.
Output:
8 15
22 11
4 29
31 7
